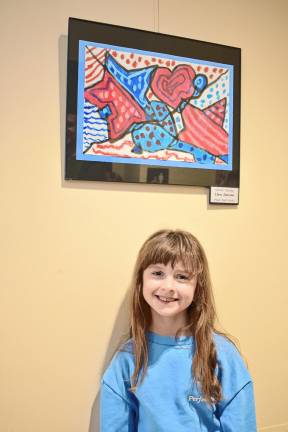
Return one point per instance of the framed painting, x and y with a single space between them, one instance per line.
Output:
146 107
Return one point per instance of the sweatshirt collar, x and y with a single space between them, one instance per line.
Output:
169 340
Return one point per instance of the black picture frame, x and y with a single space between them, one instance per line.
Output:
103 41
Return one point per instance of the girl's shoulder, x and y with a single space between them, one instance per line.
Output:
230 363
223 343
122 362
227 349
117 376
226 346
127 346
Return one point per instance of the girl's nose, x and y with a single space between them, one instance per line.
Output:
168 283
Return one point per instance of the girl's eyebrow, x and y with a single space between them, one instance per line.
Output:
181 270
161 266
156 266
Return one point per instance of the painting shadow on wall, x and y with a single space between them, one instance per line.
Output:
62 64
118 334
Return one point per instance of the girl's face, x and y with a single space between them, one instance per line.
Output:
168 291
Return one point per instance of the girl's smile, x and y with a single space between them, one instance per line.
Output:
168 291
165 299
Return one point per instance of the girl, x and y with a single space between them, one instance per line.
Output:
176 373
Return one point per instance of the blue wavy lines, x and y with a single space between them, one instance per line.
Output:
95 128
92 131
92 134
92 116
89 109
94 121
88 106
97 136
92 139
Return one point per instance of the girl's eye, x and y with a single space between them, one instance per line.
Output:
157 273
182 277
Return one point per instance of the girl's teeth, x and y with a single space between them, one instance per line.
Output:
165 299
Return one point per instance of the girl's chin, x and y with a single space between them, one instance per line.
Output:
164 309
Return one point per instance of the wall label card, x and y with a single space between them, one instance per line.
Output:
224 195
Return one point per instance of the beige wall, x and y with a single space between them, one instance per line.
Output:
68 248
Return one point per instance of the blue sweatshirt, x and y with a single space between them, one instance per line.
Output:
168 400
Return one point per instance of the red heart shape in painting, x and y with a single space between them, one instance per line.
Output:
172 87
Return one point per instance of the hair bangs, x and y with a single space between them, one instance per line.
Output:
174 248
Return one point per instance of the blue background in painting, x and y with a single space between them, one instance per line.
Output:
139 161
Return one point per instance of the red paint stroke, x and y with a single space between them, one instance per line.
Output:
94 74
153 156
176 155
202 132
94 62
89 63
96 67
216 112
114 147
172 87
90 53
100 149
99 152
124 109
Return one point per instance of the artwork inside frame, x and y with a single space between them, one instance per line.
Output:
144 106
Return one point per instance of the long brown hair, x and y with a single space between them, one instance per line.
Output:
168 246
